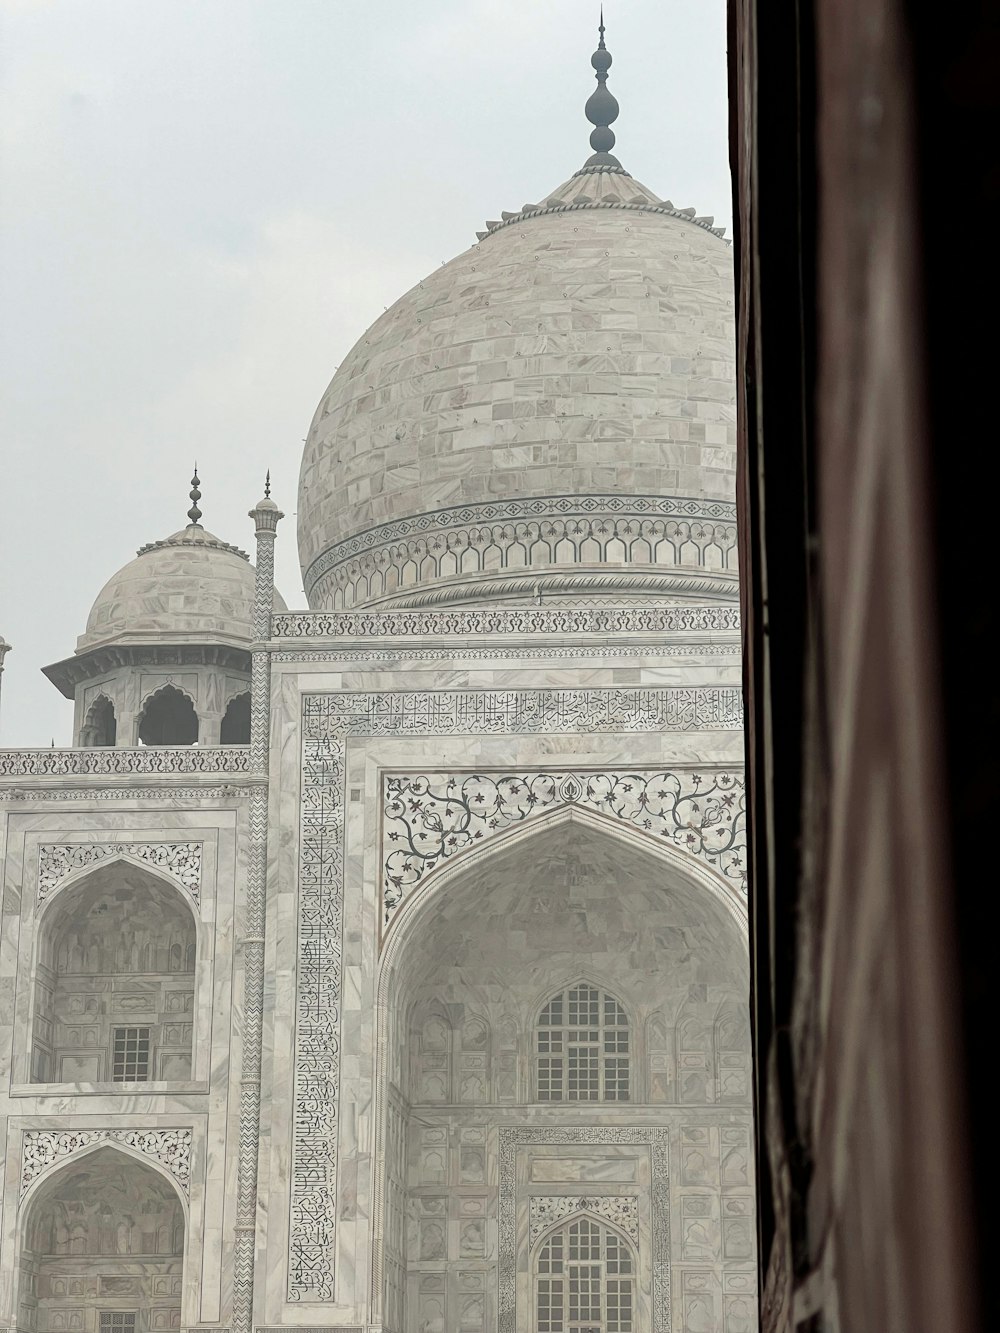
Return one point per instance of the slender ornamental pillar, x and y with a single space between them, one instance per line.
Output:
265 516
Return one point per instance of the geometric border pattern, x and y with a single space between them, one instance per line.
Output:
127 792
328 722
683 618
729 647
657 1139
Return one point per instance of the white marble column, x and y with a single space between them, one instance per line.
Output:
265 516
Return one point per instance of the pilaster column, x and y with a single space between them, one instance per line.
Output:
209 728
265 516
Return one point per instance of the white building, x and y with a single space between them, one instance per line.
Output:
383 966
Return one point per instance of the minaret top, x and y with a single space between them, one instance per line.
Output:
602 110
194 513
266 513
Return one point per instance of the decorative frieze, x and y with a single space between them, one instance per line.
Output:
432 816
110 761
556 621
498 533
518 509
150 795
328 722
181 861
45 1148
521 536
514 1139
622 1210
402 657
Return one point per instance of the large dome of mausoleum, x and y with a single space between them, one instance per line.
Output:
552 413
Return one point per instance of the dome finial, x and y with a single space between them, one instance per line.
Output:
194 513
267 485
602 108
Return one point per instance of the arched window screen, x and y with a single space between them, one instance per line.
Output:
582 1047
584 1281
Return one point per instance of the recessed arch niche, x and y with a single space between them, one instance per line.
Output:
585 1273
114 980
235 726
168 717
468 968
100 725
102 1233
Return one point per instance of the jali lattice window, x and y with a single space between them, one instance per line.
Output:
584 1281
130 1055
582 1048
117 1321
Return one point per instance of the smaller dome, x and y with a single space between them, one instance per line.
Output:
189 588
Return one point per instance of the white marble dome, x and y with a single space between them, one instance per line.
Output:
189 588
552 412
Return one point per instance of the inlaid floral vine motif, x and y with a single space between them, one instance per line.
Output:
180 860
432 816
44 1148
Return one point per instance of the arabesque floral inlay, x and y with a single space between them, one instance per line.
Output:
42 1148
432 816
621 1209
180 860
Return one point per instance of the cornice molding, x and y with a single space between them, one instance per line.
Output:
536 584
73 671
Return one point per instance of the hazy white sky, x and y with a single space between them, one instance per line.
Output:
204 204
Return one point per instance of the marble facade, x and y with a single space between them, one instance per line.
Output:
433 990
347 1169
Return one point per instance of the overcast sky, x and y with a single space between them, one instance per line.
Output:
204 204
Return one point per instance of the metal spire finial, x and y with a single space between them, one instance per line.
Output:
194 513
267 485
602 107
